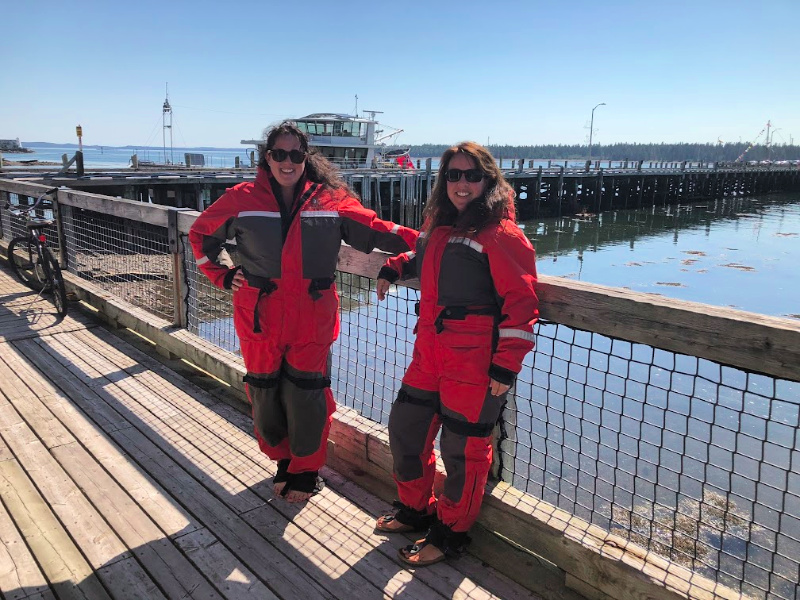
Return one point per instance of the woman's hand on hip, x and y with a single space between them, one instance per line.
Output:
497 388
238 280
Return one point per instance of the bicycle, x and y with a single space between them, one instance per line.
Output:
32 261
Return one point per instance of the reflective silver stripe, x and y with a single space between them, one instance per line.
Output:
319 213
478 247
517 333
259 213
202 261
396 228
423 234
410 254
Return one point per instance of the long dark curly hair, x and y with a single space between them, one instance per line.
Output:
496 203
318 168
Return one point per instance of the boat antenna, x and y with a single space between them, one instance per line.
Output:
355 113
166 117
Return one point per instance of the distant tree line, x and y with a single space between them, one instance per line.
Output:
654 152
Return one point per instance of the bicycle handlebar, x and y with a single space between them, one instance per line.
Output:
28 209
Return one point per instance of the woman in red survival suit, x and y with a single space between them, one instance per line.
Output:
288 225
477 310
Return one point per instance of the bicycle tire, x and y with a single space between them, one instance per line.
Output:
25 263
55 282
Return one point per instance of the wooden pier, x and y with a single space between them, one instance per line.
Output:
400 196
120 478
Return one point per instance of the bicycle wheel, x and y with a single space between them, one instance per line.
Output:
25 263
55 282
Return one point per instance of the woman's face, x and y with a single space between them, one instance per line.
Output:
286 172
462 192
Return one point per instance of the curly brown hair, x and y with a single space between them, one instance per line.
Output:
318 168
496 203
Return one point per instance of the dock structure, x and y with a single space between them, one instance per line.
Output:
400 195
648 450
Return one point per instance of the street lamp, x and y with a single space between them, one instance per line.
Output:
591 129
769 142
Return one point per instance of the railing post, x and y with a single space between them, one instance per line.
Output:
68 231
180 286
62 240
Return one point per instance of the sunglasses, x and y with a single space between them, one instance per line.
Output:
471 175
280 155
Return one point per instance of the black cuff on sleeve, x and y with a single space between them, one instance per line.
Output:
389 274
228 281
502 374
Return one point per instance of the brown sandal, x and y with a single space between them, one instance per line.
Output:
410 520
450 543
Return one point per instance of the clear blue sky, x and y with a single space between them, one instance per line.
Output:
514 72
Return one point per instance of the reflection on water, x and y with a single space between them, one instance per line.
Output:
737 252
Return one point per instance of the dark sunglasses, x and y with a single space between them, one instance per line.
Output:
471 175
280 155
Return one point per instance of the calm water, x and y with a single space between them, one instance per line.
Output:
120 158
738 252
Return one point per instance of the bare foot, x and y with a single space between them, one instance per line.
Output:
295 496
278 487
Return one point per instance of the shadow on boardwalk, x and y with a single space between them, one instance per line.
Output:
121 478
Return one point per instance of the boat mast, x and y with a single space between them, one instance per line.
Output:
166 116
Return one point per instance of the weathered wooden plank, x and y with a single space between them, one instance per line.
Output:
20 576
105 552
60 560
160 421
50 367
282 575
117 207
750 341
164 563
225 571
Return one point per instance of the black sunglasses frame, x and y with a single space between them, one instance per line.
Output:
280 155
471 175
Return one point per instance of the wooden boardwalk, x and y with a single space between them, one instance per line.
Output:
120 478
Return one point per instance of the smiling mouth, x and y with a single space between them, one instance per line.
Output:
287 171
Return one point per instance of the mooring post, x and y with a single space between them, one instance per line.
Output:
79 163
538 190
560 190
599 191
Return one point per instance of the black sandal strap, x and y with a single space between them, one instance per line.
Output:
308 482
282 473
451 543
405 515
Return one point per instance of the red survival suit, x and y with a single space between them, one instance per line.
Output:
476 315
286 317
